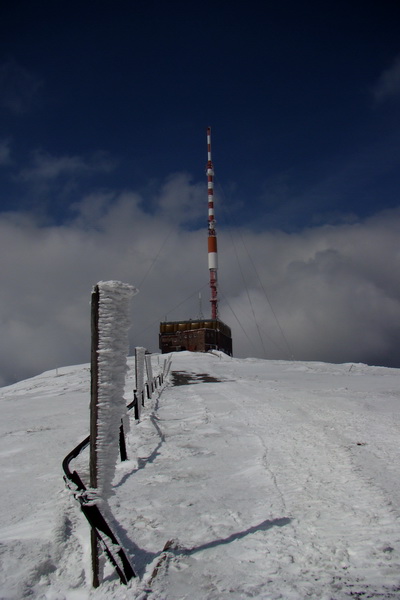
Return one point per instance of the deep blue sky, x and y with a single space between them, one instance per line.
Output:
305 121
103 114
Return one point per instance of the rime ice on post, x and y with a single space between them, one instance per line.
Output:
139 376
113 324
149 371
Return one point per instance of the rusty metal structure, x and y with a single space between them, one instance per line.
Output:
201 335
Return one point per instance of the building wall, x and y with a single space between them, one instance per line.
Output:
195 340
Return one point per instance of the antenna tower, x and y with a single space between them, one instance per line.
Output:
202 334
212 236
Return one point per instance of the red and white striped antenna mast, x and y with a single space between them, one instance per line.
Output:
212 236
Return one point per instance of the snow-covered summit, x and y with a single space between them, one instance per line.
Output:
246 479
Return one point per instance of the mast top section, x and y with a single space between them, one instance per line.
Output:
212 235
209 167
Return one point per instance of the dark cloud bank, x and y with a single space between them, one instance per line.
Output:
329 293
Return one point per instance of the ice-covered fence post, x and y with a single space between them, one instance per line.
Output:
149 372
139 379
164 370
110 323
167 366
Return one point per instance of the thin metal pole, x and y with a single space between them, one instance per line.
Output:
94 371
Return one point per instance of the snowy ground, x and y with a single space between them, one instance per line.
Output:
265 479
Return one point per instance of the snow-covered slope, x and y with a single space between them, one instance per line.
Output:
263 479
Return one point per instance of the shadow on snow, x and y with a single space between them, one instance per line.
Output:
143 558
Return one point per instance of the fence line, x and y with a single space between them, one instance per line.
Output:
100 530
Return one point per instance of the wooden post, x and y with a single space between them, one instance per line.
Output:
122 445
94 370
139 379
136 370
136 405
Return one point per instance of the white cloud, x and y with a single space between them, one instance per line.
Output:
334 290
19 87
45 167
388 84
5 153
180 200
52 180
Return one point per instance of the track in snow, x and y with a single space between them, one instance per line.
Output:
260 491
